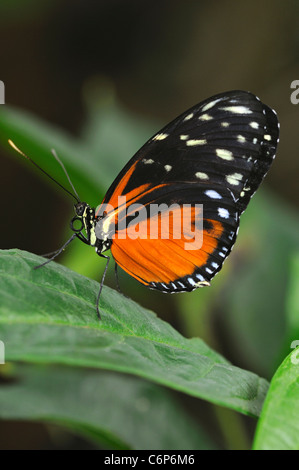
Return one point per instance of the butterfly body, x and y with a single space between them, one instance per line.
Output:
210 160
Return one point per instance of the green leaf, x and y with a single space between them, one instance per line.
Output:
114 410
48 316
278 427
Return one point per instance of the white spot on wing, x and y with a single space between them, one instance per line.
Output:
225 124
231 235
202 284
189 116
211 104
184 137
223 213
254 125
148 162
191 281
237 109
205 117
241 138
213 194
202 176
168 167
267 137
196 142
234 179
160 136
224 154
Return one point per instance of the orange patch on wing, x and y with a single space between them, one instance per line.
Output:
113 201
111 206
163 259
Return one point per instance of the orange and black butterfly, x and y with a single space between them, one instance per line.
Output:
211 159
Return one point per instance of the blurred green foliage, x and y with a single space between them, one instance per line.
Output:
141 414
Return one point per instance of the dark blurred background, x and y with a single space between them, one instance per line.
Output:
160 57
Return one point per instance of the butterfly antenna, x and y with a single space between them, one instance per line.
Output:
13 145
65 172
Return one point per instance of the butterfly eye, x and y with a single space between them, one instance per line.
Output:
77 224
79 208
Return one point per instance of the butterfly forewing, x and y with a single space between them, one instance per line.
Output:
215 154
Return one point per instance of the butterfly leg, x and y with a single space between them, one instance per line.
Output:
102 282
46 255
57 252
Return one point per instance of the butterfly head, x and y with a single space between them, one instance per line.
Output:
84 220
78 222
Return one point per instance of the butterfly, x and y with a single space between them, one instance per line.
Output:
211 159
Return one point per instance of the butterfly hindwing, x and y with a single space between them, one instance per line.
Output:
190 254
